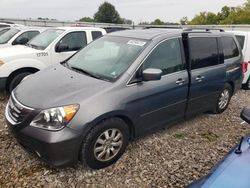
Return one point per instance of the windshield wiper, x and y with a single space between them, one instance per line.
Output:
87 73
32 46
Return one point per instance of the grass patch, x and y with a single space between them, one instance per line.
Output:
179 135
211 137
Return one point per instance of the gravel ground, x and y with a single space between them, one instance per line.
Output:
171 157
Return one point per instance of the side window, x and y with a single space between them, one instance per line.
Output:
73 41
25 37
229 47
96 34
203 52
241 40
166 56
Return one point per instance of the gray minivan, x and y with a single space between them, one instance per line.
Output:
120 86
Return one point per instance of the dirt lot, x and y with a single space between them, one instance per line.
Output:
170 157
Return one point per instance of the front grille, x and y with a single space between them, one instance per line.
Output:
17 111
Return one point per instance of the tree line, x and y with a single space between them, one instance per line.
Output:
228 15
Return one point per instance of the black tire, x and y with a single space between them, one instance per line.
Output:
221 108
246 86
16 79
88 155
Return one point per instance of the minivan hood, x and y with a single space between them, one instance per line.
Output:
17 51
57 86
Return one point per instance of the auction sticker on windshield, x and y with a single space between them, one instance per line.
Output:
136 43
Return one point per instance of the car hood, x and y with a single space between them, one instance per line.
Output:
18 51
4 45
57 86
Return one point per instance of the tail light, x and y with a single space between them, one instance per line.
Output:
244 66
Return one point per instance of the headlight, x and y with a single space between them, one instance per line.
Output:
55 118
1 63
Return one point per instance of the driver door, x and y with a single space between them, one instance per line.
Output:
71 42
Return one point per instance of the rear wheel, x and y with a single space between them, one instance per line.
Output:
247 84
16 79
224 99
105 143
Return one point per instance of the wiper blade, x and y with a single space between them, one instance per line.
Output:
87 73
32 46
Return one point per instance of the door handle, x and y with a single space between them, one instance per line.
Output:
180 81
199 78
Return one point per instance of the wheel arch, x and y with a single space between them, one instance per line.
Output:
18 71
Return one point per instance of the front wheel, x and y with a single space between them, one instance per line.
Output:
224 99
105 143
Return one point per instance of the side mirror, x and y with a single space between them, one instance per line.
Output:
62 48
151 74
22 41
245 115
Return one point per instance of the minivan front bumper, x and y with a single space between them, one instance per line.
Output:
58 148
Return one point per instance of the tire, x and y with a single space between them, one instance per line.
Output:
98 154
16 79
224 99
246 86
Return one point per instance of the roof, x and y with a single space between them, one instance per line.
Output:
146 34
77 28
26 28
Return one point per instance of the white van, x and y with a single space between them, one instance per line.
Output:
52 46
244 41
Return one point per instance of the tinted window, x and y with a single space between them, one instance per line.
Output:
229 47
75 40
166 56
204 52
25 36
241 40
96 34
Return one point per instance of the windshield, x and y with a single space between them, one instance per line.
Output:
43 40
6 36
2 31
108 57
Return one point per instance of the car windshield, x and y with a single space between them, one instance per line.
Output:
2 31
108 57
6 36
43 40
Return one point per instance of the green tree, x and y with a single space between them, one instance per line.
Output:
107 14
157 22
87 19
205 18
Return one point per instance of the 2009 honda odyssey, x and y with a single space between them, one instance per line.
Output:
120 86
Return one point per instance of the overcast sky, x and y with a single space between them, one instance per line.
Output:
136 10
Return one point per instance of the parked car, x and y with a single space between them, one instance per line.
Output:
8 24
244 40
52 46
232 171
119 87
18 35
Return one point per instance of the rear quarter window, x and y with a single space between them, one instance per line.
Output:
203 52
96 34
241 40
230 48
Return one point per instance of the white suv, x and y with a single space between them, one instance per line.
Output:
244 41
52 46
